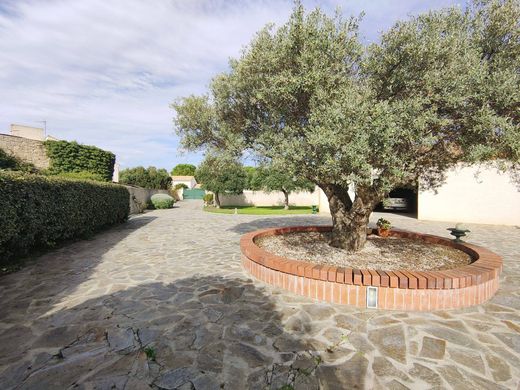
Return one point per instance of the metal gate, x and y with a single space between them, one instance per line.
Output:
195 193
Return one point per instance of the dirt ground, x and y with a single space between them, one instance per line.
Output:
385 254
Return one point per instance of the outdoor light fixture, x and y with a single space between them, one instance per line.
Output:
372 297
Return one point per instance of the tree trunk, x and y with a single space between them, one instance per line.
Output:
350 217
217 200
286 199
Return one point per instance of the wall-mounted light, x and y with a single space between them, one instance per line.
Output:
372 297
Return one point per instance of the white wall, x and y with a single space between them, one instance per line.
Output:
489 198
190 183
261 198
35 133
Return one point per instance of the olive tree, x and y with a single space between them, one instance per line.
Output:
270 178
438 89
221 174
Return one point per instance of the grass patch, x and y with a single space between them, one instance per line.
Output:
261 210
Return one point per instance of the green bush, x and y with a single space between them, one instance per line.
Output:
40 211
162 201
178 186
150 177
81 176
73 157
208 198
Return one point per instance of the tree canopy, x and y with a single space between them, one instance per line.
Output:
184 170
150 177
270 178
221 174
438 89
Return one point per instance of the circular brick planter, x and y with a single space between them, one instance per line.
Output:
395 290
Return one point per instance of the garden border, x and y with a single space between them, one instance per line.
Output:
396 290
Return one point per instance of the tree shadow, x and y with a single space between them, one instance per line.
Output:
201 332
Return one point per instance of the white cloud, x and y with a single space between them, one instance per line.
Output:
104 72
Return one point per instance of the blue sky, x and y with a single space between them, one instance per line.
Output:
104 72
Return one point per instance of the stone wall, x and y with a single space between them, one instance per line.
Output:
139 198
28 150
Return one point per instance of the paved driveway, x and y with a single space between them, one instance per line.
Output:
169 283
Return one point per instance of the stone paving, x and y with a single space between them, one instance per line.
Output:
162 302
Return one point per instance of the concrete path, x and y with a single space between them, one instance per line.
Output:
162 302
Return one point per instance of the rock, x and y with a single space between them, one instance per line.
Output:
175 378
206 382
349 375
305 362
250 355
396 385
279 376
319 312
231 294
305 382
499 369
210 358
390 341
426 374
511 340
212 315
468 358
433 348
148 335
58 337
121 340
286 343
383 367
352 323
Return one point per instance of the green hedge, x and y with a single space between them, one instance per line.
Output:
72 157
40 211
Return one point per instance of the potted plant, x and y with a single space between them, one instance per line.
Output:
383 227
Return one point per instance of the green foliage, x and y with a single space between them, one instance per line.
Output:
162 201
438 89
222 174
12 163
270 178
383 224
150 177
73 157
151 354
41 211
184 170
251 182
208 198
82 176
178 186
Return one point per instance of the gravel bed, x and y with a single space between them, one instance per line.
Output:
385 254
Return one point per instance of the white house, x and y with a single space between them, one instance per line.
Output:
188 180
470 194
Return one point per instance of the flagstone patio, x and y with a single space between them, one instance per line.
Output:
162 302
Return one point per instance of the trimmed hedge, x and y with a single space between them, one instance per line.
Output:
162 201
73 157
40 211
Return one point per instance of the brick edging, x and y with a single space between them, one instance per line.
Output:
466 285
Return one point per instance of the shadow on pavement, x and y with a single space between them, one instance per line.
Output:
202 332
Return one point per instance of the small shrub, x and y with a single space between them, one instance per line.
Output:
151 354
178 186
40 211
208 198
383 224
162 201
